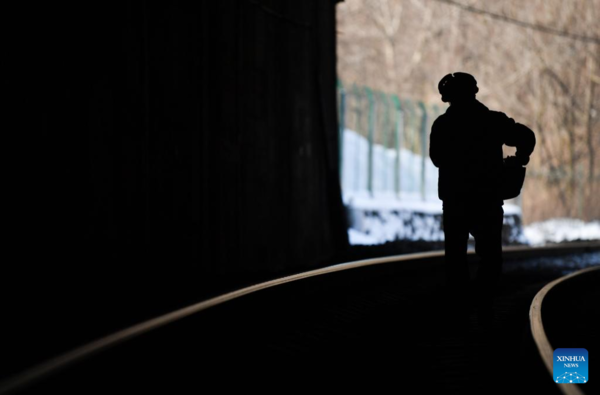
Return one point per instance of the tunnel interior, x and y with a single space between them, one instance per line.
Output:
160 154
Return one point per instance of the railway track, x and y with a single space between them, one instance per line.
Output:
381 322
547 314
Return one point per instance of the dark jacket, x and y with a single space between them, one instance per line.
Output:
466 145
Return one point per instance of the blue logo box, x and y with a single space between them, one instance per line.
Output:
570 366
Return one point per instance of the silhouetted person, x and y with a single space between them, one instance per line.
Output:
466 145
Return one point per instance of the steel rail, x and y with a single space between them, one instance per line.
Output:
539 334
37 372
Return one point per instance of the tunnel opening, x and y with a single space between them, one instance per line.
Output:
535 64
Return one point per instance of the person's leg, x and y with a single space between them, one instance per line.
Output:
487 231
456 236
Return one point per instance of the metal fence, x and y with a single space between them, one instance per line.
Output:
384 144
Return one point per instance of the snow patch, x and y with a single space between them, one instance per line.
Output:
359 238
381 219
560 230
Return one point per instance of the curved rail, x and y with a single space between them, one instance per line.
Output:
89 349
537 328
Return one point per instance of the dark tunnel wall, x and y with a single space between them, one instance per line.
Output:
161 141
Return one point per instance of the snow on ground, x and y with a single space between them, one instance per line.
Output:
556 230
389 202
377 220
384 218
361 238
559 230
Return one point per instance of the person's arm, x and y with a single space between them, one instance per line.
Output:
436 146
520 136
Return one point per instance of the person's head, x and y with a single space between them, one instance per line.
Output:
458 87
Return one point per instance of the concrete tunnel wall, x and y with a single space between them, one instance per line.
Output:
152 144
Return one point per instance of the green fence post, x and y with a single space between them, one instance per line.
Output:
371 126
385 125
357 97
383 98
408 136
424 154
